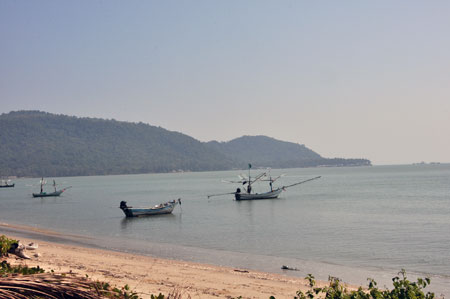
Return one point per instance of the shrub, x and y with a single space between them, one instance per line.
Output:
6 268
5 245
403 289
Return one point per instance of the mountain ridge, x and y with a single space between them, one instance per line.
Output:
36 143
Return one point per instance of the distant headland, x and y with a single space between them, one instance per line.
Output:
35 143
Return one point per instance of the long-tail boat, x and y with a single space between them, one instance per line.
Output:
163 208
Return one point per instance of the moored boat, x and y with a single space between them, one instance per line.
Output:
251 196
45 194
6 184
49 194
249 181
163 208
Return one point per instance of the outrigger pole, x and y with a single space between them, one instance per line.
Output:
317 177
221 194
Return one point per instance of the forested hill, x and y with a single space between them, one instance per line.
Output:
34 143
43 144
264 151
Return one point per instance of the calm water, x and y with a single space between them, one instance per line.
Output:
352 223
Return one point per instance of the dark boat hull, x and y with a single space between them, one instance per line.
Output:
7 186
161 209
44 194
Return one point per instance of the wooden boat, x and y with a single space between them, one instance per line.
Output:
45 194
251 196
164 208
265 176
49 194
6 184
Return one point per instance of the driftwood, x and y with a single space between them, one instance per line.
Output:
19 249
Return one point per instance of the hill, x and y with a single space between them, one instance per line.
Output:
263 151
37 143
43 144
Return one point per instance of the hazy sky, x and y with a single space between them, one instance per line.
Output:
367 79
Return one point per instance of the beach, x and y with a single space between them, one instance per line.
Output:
150 275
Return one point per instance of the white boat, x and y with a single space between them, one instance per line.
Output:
164 208
249 181
251 196
6 184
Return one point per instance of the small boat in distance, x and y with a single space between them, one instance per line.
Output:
164 208
49 194
6 184
248 195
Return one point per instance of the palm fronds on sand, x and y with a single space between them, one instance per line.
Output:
49 285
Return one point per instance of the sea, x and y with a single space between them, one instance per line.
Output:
353 223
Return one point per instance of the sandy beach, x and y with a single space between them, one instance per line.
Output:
149 275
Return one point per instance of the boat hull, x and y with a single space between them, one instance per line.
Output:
44 194
256 196
7 186
158 210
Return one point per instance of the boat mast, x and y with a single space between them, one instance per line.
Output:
249 186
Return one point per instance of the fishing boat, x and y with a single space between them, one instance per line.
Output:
163 208
6 184
238 195
249 181
49 194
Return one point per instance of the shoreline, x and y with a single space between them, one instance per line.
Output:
152 275
195 278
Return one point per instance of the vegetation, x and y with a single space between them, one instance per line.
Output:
44 144
263 151
19 282
403 289
5 245
37 144
66 286
104 289
49 285
6 269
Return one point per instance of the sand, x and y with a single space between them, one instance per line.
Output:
149 275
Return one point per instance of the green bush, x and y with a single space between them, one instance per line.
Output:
5 245
6 268
403 289
107 291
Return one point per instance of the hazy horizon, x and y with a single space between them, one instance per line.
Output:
350 80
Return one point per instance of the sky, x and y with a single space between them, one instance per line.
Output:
350 79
